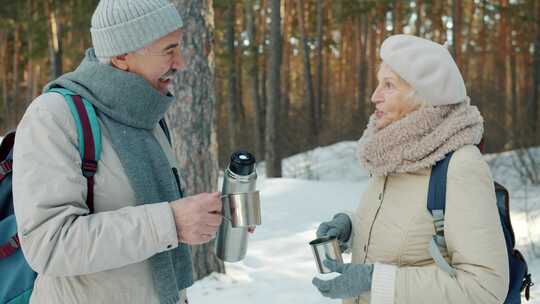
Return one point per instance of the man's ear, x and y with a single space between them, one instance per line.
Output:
120 62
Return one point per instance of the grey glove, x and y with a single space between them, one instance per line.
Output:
355 280
339 227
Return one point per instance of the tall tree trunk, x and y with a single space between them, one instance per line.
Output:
534 99
362 43
418 23
373 55
261 43
4 75
398 17
466 62
30 93
239 28
350 75
341 60
513 88
17 46
30 76
286 71
511 80
457 7
484 50
192 119
232 73
502 72
319 75
310 99
253 73
272 156
55 39
437 11
327 76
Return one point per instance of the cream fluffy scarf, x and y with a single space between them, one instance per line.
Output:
420 139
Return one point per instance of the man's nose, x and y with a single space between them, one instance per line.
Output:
179 62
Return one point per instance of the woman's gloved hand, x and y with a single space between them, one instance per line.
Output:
340 226
354 280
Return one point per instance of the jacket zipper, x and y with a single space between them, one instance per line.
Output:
381 198
177 178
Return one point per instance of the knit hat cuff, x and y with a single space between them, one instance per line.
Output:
137 33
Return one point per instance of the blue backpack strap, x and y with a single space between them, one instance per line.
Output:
89 136
436 204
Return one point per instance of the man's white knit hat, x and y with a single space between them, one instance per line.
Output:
427 66
123 26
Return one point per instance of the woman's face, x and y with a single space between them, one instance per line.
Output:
391 98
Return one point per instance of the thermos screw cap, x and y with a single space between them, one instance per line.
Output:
242 163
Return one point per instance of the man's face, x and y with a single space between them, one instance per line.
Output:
156 63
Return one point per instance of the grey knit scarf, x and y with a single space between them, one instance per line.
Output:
130 109
420 139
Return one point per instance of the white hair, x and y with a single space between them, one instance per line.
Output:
418 100
142 50
108 60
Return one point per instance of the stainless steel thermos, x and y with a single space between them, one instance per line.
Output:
241 207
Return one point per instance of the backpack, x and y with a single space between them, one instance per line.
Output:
520 278
16 287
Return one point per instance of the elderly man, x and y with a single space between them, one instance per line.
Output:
134 247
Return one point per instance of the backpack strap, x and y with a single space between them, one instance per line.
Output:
10 247
6 167
6 155
436 204
89 136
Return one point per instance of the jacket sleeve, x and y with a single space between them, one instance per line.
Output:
475 242
58 235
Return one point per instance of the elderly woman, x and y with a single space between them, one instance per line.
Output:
422 114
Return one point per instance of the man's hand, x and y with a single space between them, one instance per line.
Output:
197 217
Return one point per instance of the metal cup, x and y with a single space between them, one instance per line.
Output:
245 208
325 248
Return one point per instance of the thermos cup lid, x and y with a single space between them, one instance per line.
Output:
242 163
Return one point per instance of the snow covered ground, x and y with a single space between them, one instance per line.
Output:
279 265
